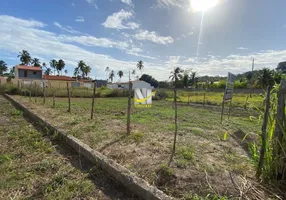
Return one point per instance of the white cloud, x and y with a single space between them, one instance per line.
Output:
128 2
92 2
153 37
118 21
79 19
171 3
68 29
242 48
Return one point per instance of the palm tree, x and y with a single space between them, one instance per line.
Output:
76 72
176 75
25 57
140 66
186 79
193 78
266 77
81 67
111 76
44 65
107 70
48 71
60 66
66 72
86 70
36 62
3 67
120 74
53 64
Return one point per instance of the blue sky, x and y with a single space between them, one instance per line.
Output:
162 33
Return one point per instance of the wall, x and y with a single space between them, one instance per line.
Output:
30 74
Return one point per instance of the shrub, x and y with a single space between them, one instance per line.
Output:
117 93
9 89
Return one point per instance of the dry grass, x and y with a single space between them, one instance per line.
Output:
201 147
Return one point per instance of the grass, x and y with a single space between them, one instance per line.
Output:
200 147
31 166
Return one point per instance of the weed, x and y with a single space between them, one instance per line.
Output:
15 112
186 153
136 137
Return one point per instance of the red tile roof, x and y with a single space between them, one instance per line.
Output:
58 78
29 68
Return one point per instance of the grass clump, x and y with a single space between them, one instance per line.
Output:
186 153
137 137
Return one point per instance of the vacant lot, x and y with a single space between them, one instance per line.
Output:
209 155
31 167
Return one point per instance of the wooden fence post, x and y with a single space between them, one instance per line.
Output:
264 133
93 97
279 165
129 106
44 93
54 98
69 98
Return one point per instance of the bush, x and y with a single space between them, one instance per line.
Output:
160 95
9 89
117 93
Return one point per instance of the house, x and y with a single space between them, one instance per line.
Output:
60 81
125 85
28 72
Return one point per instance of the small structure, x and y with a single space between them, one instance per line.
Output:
28 72
60 81
125 85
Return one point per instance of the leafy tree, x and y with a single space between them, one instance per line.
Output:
149 79
281 67
186 80
111 76
193 79
266 77
53 65
3 67
36 62
25 57
48 71
120 74
140 66
60 66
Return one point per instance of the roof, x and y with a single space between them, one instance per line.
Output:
58 78
32 68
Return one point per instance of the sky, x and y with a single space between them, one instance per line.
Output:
162 33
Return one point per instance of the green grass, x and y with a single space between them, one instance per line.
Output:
200 144
31 167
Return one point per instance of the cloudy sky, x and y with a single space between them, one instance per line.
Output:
163 33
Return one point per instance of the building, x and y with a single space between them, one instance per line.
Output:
28 73
125 85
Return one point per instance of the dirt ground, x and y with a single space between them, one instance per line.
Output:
212 160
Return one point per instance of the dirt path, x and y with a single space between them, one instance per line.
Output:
34 166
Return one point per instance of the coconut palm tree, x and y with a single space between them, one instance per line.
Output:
107 69
66 72
25 57
176 75
86 70
60 66
266 77
3 67
120 74
81 67
53 65
76 72
140 66
36 62
48 71
111 76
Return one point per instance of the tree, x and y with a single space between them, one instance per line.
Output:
186 80
120 74
3 67
133 73
107 71
60 66
266 77
175 75
86 71
36 62
76 72
111 76
81 65
25 57
140 66
44 65
149 79
48 71
53 65
66 72
193 79
281 67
